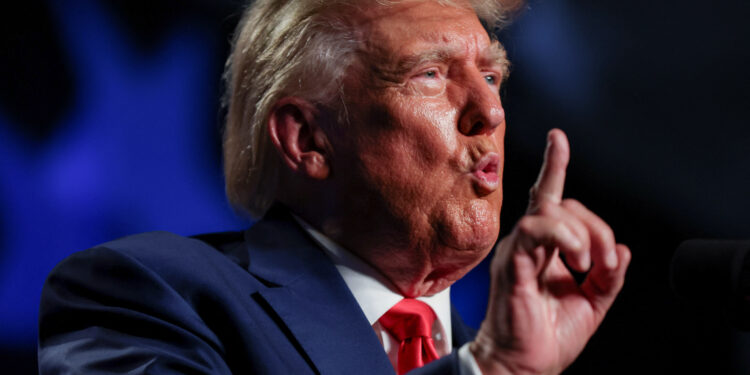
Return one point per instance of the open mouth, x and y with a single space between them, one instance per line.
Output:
485 173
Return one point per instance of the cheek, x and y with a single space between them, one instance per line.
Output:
409 147
432 134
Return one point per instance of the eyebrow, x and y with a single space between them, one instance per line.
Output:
494 55
408 63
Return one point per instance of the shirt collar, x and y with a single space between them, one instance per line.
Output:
374 293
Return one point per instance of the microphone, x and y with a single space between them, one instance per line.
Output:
715 271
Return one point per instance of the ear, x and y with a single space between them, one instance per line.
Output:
301 143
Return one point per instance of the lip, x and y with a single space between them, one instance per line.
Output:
485 173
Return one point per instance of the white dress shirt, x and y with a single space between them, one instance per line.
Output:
376 295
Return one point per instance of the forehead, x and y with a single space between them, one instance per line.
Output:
411 26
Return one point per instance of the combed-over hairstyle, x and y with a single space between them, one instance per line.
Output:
298 48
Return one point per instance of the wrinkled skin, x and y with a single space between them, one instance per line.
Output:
412 186
416 132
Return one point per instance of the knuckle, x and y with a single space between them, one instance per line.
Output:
526 225
606 234
583 234
559 228
545 207
571 203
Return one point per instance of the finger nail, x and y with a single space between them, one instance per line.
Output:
611 259
585 261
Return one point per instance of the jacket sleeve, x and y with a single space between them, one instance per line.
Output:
103 311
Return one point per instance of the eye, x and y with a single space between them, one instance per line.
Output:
429 82
430 74
491 80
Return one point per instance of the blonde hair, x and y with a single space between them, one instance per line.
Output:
291 48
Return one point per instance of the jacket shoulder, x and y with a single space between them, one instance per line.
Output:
171 300
162 245
172 255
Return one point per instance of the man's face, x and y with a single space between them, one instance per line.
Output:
424 146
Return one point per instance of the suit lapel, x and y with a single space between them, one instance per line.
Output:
461 332
311 299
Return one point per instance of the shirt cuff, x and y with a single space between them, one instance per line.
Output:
467 365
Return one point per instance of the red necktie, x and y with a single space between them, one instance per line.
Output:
410 322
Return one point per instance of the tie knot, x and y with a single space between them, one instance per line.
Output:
408 319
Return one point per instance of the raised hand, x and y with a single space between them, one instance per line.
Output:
539 318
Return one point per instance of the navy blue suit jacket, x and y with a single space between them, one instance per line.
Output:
266 301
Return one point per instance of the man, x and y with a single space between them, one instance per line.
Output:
370 136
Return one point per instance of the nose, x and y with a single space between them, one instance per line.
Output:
483 111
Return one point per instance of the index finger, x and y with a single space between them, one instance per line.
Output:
551 181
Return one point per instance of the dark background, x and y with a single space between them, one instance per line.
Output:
109 121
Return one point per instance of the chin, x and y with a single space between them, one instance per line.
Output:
449 267
471 227
466 232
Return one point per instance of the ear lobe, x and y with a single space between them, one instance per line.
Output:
314 165
299 141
